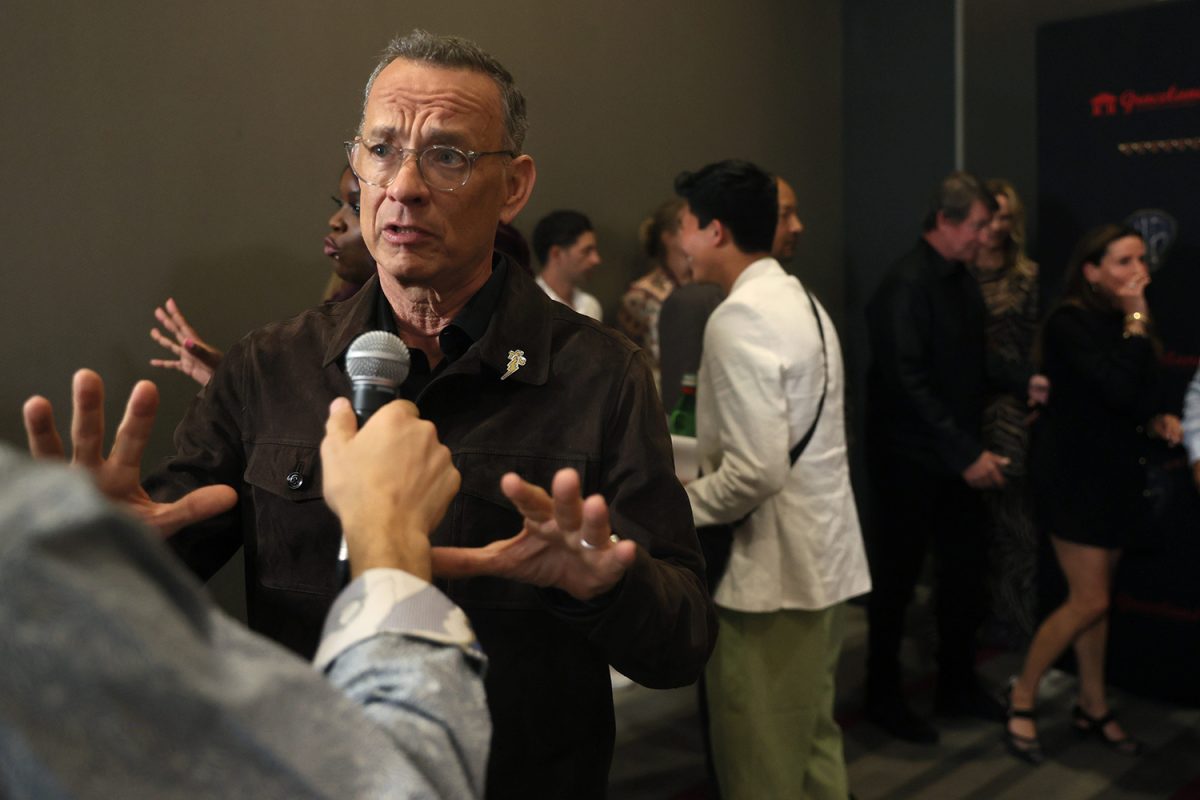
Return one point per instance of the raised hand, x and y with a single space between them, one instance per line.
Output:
390 486
119 475
1130 296
195 358
566 542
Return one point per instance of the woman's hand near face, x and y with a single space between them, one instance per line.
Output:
1130 296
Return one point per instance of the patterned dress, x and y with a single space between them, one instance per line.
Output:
637 317
1011 296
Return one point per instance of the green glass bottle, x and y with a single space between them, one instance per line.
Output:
682 421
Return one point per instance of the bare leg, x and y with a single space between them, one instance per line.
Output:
1087 570
1090 648
1089 655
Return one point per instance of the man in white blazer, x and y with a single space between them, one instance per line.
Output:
770 384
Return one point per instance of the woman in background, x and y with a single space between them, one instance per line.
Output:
352 267
1008 280
352 262
1087 469
642 302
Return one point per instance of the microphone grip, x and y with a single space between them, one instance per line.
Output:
367 398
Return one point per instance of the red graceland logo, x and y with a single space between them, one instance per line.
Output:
1106 104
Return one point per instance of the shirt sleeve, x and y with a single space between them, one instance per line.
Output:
1120 376
1191 419
402 651
138 648
393 601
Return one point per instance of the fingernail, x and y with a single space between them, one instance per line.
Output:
188 344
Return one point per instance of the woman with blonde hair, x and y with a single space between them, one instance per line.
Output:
1008 281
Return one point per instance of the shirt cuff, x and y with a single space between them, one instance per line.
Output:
1192 442
393 601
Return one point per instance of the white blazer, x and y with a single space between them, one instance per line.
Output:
760 381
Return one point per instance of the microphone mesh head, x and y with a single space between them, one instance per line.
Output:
378 357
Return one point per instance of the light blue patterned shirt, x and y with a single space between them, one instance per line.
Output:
120 679
1191 419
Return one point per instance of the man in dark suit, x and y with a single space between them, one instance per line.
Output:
926 391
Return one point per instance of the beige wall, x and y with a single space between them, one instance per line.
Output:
190 150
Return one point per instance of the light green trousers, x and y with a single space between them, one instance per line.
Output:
770 700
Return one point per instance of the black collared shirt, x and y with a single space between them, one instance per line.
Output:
456 338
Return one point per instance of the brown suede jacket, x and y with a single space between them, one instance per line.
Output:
584 398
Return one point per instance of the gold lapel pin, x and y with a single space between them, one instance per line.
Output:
516 360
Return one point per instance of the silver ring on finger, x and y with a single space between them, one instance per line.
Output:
586 545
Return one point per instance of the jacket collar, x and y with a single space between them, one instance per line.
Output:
754 270
521 322
357 316
944 268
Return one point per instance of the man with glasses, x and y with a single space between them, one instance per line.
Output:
556 587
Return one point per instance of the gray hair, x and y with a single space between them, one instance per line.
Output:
954 196
451 52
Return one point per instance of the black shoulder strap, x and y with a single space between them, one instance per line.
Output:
795 452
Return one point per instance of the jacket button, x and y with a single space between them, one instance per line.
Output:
1142 461
295 480
1140 429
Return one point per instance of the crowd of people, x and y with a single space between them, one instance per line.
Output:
514 521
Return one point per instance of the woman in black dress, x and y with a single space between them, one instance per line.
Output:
1086 464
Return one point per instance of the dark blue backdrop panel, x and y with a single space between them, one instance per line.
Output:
1119 140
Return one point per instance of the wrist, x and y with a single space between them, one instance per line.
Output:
1135 323
392 545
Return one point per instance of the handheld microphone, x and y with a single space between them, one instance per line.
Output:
377 363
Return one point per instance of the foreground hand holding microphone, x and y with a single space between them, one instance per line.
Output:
389 637
131 642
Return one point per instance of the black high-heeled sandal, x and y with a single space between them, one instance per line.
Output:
1026 748
1086 725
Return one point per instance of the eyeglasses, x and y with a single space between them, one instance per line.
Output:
442 166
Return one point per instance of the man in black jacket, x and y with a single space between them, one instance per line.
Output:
926 391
